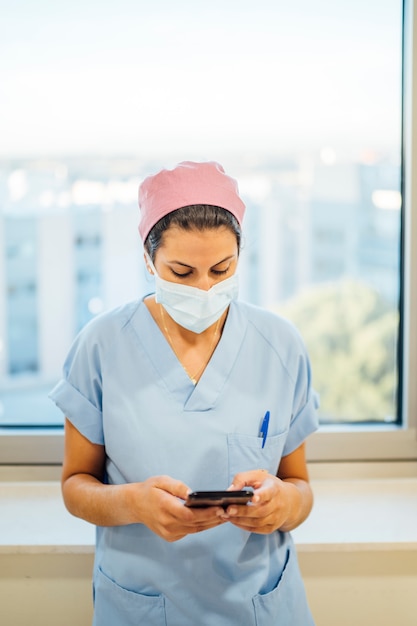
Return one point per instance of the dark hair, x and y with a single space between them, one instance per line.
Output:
193 217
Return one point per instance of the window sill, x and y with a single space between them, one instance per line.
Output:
348 515
363 514
35 520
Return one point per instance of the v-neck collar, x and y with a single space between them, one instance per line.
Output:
202 396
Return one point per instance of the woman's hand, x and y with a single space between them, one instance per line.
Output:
159 504
271 505
280 502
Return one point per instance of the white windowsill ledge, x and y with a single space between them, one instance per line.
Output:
348 515
354 515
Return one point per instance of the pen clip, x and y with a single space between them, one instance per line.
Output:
264 428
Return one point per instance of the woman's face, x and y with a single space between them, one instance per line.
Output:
197 258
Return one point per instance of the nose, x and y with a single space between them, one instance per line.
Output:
205 283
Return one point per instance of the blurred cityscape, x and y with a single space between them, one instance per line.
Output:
69 248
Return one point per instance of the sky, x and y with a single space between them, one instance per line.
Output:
139 77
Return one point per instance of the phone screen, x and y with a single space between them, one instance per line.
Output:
218 498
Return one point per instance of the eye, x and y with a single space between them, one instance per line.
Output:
220 272
180 275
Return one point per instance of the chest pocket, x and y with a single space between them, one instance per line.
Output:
246 453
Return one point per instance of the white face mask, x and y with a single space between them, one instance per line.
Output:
193 308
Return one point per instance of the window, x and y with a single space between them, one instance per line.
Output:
302 103
21 295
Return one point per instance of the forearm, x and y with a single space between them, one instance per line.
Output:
300 502
103 505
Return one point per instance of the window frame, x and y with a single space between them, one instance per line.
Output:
341 443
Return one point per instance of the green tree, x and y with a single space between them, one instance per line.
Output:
351 335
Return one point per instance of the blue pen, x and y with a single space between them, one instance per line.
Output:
264 428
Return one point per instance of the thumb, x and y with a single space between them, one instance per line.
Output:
251 478
173 486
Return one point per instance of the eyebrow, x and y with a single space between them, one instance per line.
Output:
228 258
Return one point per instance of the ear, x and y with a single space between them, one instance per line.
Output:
148 267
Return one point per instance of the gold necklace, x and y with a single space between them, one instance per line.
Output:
193 377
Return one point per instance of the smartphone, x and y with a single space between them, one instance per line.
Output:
218 498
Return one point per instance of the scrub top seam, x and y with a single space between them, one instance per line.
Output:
275 350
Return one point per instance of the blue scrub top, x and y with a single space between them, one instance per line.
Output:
124 388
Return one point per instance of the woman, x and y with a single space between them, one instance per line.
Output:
189 389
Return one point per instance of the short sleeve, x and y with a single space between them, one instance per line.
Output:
79 393
304 419
302 425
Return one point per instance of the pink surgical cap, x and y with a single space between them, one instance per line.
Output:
188 183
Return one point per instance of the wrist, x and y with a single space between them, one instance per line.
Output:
298 503
131 503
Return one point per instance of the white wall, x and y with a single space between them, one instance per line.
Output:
365 588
